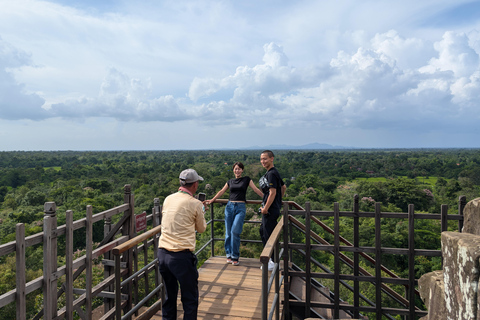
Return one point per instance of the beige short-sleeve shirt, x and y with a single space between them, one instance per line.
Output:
182 215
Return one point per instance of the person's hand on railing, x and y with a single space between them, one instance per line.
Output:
206 204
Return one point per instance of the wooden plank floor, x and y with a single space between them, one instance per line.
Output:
226 291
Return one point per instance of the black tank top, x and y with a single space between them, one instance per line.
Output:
238 188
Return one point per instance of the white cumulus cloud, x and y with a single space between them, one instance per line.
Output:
15 102
123 98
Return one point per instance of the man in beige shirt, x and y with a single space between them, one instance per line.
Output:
182 215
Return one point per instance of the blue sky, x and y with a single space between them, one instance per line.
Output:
162 75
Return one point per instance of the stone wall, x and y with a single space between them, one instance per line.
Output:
453 293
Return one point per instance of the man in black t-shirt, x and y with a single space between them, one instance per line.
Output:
273 190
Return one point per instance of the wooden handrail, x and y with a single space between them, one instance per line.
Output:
290 203
37 238
118 250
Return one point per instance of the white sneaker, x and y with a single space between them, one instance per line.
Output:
271 265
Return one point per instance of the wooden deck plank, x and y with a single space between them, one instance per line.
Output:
228 292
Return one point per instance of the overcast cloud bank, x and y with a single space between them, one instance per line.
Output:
397 80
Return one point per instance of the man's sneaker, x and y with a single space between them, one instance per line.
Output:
229 260
235 262
271 265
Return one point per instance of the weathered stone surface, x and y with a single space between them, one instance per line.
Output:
461 257
478 301
471 216
432 292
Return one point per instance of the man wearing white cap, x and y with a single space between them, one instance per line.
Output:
182 215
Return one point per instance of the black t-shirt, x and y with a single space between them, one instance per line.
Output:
272 179
238 188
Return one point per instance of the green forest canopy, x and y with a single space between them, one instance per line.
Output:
396 178
72 178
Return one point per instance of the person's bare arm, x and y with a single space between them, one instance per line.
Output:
271 197
254 187
218 195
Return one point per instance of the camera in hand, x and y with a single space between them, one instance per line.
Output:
201 196
260 209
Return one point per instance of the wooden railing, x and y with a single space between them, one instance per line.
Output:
121 249
152 266
313 242
272 251
76 300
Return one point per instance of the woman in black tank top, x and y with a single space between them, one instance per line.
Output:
235 210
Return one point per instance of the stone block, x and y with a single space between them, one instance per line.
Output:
471 217
461 258
432 292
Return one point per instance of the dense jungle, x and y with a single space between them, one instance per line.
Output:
426 178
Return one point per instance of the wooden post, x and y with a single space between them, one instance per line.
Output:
378 261
157 213
145 262
411 261
356 257
286 280
265 289
69 265
462 202
108 303
156 206
336 263
276 256
155 244
134 281
128 229
20 296
89 269
118 291
212 230
50 260
126 199
135 264
308 252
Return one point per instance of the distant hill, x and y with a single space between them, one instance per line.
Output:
310 146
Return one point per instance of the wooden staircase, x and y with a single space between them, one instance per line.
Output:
317 294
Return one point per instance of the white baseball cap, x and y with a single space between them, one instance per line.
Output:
189 176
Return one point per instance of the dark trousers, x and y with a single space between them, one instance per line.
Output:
179 268
269 222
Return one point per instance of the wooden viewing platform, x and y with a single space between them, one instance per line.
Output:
227 291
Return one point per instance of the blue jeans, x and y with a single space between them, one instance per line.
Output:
234 218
